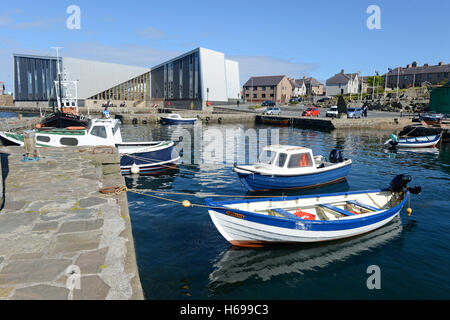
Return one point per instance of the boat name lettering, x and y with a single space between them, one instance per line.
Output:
234 214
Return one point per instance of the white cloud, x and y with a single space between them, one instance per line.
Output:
151 33
269 66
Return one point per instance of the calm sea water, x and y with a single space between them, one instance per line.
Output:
181 255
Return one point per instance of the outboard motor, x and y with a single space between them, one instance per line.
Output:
399 183
336 156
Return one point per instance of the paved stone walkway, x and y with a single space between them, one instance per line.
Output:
59 237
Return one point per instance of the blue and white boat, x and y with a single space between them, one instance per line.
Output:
431 118
148 157
414 142
174 118
291 167
311 218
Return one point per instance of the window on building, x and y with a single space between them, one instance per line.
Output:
271 95
255 95
430 75
263 95
405 77
263 88
247 95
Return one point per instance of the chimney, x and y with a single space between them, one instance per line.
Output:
425 64
440 63
342 71
408 66
414 64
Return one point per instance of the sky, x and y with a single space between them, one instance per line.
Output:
295 38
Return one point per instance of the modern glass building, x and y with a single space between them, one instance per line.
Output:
189 81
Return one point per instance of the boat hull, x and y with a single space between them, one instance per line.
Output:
63 120
149 162
242 228
177 121
419 142
259 182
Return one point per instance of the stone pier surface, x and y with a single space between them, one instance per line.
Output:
60 238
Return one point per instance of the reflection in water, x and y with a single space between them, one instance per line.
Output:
237 265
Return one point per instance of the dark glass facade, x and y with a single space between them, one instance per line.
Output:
34 78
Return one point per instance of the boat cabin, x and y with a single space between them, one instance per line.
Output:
288 158
104 132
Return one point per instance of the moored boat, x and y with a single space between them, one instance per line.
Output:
174 118
274 120
414 142
291 167
312 218
143 157
431 119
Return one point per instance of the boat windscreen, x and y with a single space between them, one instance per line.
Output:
267 156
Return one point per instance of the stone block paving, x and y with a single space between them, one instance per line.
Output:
59 237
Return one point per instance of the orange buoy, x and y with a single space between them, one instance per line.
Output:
38 126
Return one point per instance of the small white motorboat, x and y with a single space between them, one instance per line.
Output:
414 142
282 167
175 118
311 218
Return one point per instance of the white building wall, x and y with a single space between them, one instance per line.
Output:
212 70
232 79
95 76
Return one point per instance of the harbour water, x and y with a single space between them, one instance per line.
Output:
181 255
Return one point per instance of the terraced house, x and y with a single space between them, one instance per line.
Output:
276 88
414 75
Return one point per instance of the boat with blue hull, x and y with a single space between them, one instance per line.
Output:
311 218
414 142
175 118
282 167
149 157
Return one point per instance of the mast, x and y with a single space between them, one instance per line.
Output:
59 77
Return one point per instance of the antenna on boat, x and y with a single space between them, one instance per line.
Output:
59 76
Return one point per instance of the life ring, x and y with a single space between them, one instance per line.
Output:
75 128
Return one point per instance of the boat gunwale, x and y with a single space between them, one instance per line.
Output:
306 224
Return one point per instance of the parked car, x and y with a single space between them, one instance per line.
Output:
311 111
268 103
296 100
323 99
354 113
272 111
332 112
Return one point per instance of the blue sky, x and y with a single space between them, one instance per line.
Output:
314 38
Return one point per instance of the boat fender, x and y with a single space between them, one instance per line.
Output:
144 121
304 215
134 121
219 120
207 119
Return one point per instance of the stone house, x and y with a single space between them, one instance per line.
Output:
276 88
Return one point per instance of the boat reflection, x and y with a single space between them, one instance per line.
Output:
237 265
341 186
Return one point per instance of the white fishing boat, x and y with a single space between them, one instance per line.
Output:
291 167
414 142
143 157
311 218
175 118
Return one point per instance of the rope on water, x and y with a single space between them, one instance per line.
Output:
118 190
